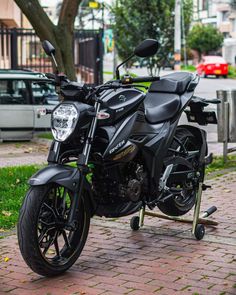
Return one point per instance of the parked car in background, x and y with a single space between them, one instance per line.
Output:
213 65
22 93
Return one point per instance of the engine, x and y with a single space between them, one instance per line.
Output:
119 182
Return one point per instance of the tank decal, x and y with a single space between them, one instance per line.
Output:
121 135
128 150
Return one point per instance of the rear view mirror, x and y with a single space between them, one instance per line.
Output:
48 48
147 48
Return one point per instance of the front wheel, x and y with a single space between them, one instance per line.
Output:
48 245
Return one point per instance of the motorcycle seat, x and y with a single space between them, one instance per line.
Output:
162 101
161 107
173 83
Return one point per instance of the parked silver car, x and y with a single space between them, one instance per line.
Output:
22 93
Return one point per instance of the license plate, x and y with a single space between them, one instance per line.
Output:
217 72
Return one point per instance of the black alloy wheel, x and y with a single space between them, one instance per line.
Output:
183 201
47 243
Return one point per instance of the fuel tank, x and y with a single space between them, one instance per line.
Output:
119 103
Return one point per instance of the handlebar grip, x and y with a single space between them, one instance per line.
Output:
145 79
213 101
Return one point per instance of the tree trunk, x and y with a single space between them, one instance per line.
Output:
61 36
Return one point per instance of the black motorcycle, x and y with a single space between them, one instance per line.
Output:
116 150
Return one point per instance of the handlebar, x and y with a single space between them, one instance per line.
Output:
130 80
145 79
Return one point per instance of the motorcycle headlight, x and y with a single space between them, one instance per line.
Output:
63 121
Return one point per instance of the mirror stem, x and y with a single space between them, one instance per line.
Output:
54 60
117 68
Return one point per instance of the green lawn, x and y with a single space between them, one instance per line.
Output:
189 68
45 135
217 166
13 186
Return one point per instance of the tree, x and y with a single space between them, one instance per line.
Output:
137 20
60 35
204 39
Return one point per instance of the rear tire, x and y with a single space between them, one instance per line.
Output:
178 206
41 229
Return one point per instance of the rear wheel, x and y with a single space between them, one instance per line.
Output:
180 203
48 245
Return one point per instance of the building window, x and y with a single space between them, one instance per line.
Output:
224 16
202 5
234 25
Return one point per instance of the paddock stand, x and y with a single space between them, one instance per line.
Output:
198 222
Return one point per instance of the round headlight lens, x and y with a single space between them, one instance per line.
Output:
64 120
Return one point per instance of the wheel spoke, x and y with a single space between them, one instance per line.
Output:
56 245
51 209
48 246
66 239
51 224
42 235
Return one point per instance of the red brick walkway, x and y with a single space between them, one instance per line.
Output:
161 258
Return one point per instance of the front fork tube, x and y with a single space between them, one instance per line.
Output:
82 165
72 220
87 147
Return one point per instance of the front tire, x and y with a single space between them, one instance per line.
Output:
47 244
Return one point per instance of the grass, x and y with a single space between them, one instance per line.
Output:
107 73
13 186
189 68
232 72
218 165
46 135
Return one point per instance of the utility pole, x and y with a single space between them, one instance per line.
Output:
177 43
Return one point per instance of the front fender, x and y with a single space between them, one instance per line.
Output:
66 176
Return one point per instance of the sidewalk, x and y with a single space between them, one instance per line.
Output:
23 153
161 258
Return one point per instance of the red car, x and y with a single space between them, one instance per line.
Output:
213 65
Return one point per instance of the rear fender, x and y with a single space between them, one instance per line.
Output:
200 134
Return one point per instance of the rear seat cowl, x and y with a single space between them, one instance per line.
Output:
173 83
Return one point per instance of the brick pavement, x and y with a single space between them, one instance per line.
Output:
161 258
